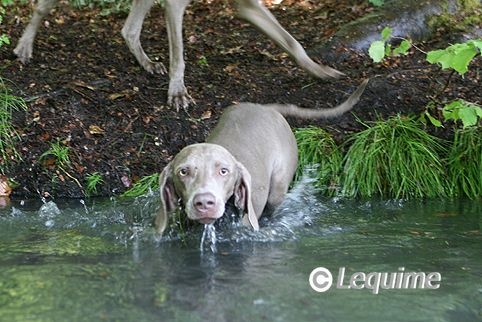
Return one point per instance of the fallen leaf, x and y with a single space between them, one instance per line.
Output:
125 93
5 189
45 136
36 117
95 129
126 181
48 161
230 68
233 50
206 115
191 39
60 20
268 54
4 202
82 84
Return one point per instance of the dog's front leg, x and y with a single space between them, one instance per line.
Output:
177 93
258 15
132 32
24 47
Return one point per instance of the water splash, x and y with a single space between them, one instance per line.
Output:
208 238
49 211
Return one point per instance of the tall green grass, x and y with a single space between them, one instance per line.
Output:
464 163
8 135
394 158
318 150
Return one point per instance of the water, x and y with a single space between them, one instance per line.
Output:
99 260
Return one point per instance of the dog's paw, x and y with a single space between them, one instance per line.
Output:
154 68
23 52
320 71
181 100
177 95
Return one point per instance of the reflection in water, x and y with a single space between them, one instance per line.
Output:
101 260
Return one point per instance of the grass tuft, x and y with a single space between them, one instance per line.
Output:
395 159
8 135
93 181
318 150
464 163
60 153
144 185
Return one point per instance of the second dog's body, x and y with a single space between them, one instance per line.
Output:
251 10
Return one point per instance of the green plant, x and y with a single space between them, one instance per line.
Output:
60 153
317 148
377 3
458 110
456 56
93 181
394 158
8 135
4 39
461 110
202 61
380 49
465 163
142 186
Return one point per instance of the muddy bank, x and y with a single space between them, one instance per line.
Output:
85 90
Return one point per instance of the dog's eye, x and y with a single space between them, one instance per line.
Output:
183 172
223 171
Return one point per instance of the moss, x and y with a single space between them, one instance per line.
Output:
67 242
467 16
469 4
62 291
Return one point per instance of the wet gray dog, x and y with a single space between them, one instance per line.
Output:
251 10
251 154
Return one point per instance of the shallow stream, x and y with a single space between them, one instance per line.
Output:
99 260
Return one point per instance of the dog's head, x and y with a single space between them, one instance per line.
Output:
201 178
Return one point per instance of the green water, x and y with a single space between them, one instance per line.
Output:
99 261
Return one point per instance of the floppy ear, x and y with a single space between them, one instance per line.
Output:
168 199
242 197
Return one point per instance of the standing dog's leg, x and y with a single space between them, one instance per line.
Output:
132 32
259 16
177 93
24 47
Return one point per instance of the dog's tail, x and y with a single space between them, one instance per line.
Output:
309 113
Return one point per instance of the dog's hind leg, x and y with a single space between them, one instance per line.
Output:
132 32
24 47
258 15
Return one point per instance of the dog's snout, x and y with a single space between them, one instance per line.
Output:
204 202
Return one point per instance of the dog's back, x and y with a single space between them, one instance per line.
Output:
255 133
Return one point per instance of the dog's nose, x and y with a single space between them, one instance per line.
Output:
204 202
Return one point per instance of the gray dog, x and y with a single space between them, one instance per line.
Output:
251 154
251 10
